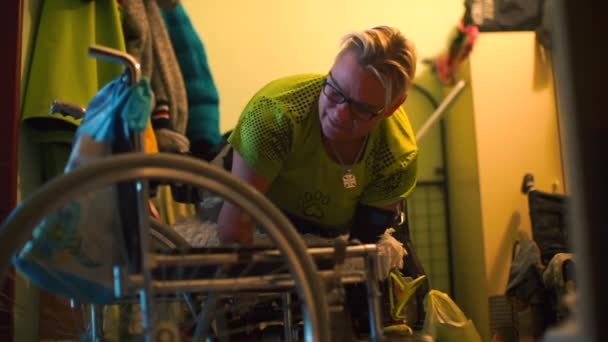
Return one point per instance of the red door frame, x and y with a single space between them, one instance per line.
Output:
10 85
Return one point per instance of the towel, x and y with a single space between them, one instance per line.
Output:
148 41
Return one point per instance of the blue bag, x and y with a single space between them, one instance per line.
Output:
73 251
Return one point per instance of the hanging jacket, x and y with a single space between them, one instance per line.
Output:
203 129
60 68
148 41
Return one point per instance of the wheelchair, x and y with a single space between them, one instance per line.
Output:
179 291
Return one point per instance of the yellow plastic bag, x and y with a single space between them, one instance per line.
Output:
445 322
401 291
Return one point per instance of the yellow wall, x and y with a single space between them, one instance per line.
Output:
468 253
251 42
517 129
503 126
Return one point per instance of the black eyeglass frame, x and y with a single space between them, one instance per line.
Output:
361 111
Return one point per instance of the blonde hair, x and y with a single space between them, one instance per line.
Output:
388 54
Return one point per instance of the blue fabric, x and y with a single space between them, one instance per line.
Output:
71 256
64 284
118 100
203 98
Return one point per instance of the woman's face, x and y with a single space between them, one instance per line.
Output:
352 101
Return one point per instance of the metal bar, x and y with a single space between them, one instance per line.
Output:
205 318
373 297
279 282
438 113
178 297
287 317
141 188
235 257
146 291
115 56
447 216
96 323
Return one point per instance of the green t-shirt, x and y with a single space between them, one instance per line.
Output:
279 137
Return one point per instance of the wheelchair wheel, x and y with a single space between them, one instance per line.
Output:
177 283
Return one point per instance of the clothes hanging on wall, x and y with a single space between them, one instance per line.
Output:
203 128
461 45
148 41
60 68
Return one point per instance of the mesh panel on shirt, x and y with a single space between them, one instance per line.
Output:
381 157
299 101
270 133
270 119
387 181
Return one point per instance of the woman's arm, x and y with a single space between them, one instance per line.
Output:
234 224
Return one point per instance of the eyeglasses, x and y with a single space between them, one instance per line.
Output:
359 110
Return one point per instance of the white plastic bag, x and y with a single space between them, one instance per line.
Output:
445 322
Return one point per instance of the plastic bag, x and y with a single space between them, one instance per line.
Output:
445 321
73 251
390 254
401 290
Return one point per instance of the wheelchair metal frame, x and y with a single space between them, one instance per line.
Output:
138 278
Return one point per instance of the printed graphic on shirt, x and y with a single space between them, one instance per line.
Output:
313 205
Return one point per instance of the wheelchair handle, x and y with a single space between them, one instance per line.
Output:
134 70
116 56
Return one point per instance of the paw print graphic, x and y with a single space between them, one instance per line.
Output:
313 204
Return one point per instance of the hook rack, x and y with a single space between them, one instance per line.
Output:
527 183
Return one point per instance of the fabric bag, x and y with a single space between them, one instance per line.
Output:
73 251
506 15
525 281
445 322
